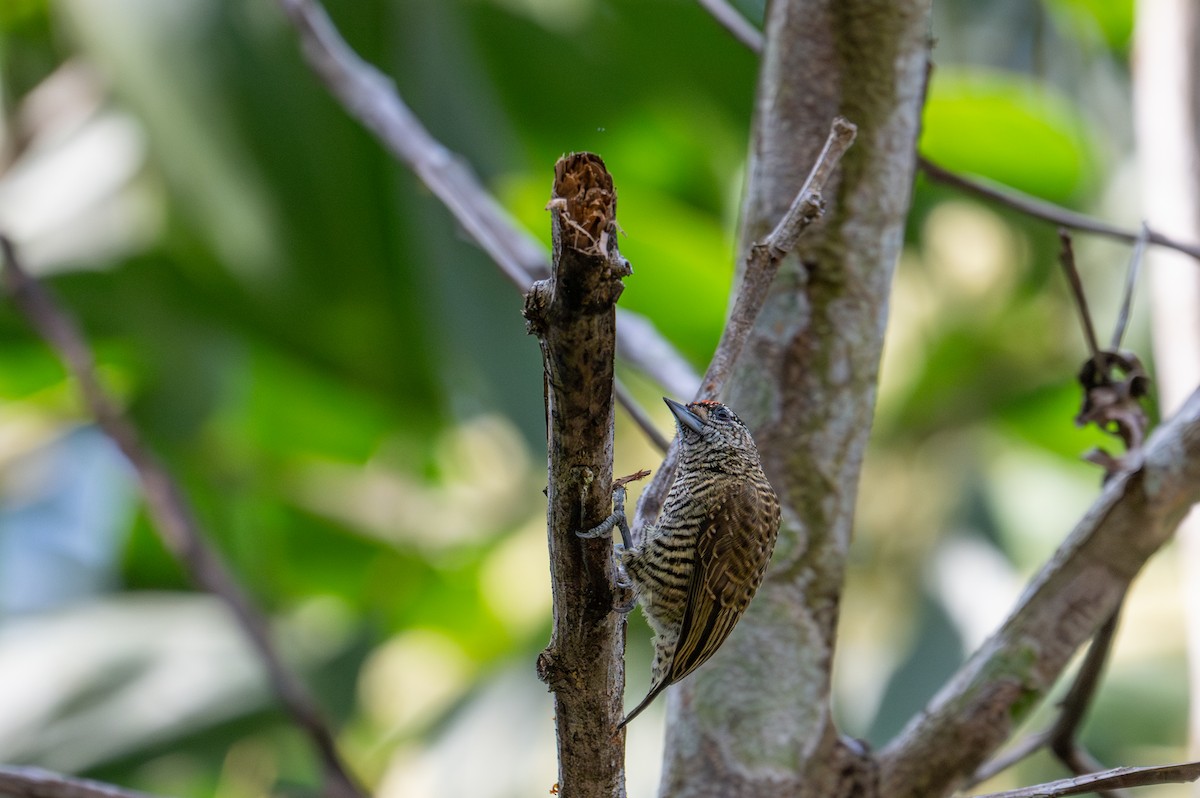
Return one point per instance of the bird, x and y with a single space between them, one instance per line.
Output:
695 569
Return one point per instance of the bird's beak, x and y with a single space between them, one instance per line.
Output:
686 417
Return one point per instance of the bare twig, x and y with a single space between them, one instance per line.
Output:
371 98
173 517
765 257
1041 209
30 782
1066 257
1106 780
1026 747
732 20
1135 262
1063 735
572 314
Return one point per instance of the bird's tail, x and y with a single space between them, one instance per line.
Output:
650 696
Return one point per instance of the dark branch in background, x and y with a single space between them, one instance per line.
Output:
762 264
173 517
640 344
29 782
639 417
371 98
1106 781
573 315
1047 211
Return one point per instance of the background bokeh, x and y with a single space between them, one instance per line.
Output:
344 386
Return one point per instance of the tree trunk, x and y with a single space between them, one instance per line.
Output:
756 720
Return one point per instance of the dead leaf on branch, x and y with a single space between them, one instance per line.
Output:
1114 383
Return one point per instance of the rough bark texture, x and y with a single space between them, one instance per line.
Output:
574 316
756 721
980 707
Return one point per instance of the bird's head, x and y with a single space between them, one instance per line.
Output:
710 425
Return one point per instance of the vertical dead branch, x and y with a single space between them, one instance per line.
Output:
573 315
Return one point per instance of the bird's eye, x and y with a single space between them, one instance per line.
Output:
721 414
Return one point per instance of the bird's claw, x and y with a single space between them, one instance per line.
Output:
617 519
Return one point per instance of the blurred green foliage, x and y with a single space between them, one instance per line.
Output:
344 387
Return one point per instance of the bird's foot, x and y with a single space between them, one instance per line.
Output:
617 519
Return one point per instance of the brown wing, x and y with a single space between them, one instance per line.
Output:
733 546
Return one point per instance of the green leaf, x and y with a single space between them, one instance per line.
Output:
1010 128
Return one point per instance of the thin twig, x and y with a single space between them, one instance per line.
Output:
1023 749
370 97
31 782
1077 700
732 20
1105 780
639 416
173 517
764 259
1135 262
1041 209
1062 736
1066 257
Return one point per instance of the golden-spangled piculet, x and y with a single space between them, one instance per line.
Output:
695 570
